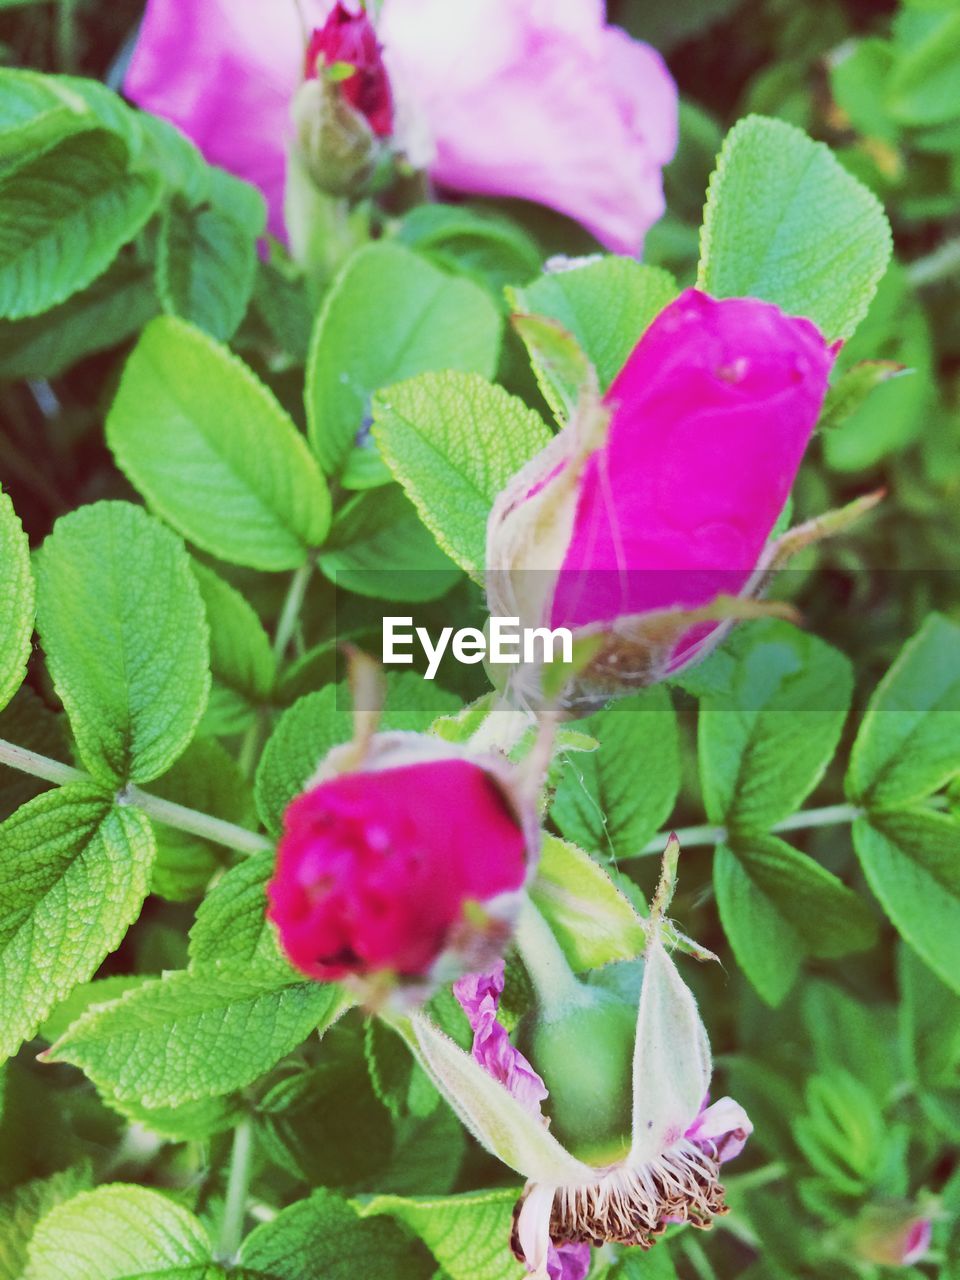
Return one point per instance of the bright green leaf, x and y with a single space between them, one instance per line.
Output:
213 451
24 1207
188 1036
74 871
453 441
242 662
30 723
231 926
120 1232
121 622
912 863
612 800
322 1238
594 922
17 601
785 222
469 1235
605 303
389 315
765 741
909 740
64 216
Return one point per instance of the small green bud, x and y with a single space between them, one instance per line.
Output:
584 1052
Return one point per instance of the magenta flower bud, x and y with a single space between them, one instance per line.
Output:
893 1235
348 44
674 500
411 865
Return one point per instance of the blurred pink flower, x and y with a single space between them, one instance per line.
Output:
537 99
347 39
375 868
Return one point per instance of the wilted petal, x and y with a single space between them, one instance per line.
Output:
533 1231
721 1130
671 1061
568 1262
479 997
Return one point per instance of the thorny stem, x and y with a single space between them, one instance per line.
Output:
238 1184
165 811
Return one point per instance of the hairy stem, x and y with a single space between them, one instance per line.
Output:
832 815
165 811
238 1184
555 982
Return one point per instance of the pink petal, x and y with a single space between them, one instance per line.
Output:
568 1262
539 101
711 415
225 71
479 997
721 1130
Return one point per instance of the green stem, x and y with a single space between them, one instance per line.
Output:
238 1184
290 612
165 811
692 837
555 983
941 264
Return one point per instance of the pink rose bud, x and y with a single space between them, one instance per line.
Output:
893 1235
347 44
672 501
416 858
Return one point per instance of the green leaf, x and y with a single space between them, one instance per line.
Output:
242 662
17 601
213 451
188 1036
777 905
207 779
612 800
231 926
121 621
389 315
315 723
207 261
74 871
120 1232
593 921
491 249
469 1235
908 744
83 998
912 863
605 303
117 305
380 547
766 946
322 1238
64 216
765 741
785 222
34 116
453 441
25 1207
924 84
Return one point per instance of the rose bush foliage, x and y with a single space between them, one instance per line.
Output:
636 317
